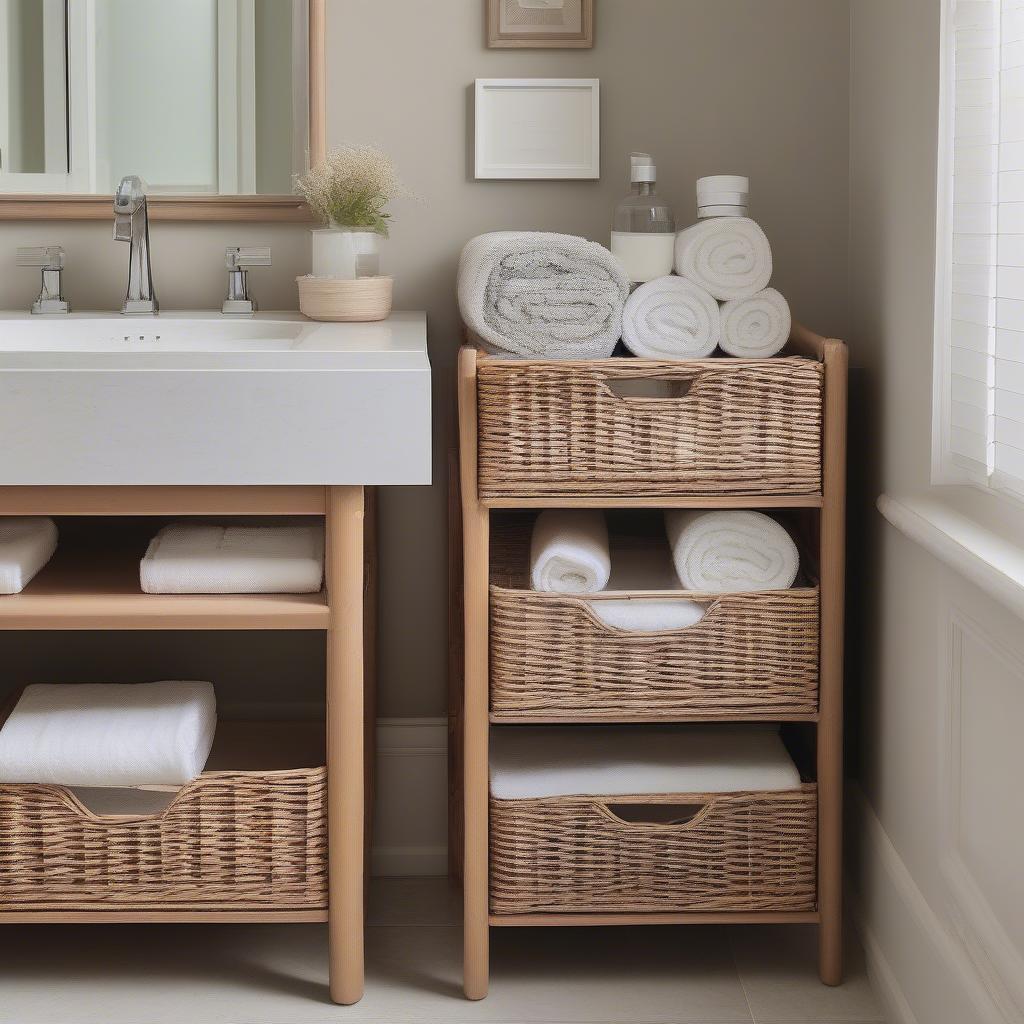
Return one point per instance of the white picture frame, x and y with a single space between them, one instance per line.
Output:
537 129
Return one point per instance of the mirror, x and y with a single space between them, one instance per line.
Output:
201 98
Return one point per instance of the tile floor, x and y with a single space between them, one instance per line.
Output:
229 974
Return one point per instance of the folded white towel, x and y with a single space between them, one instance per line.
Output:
540 295
529 762
756 328
191 558
109 734
569 551
26 545
716 552
648 615
727 256
671 318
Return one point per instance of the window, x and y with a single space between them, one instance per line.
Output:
980 289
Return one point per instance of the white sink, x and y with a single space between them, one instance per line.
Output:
199 398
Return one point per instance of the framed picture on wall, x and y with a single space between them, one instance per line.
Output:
539 128
553 24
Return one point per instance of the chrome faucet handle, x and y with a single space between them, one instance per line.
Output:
50 260
238 259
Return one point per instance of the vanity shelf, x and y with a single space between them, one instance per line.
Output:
92 583
98 588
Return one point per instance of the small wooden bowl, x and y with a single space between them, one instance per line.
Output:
335 299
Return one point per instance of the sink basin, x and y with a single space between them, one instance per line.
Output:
199 398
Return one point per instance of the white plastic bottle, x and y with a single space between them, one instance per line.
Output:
644 228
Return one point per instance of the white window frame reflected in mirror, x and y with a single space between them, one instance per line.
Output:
71 195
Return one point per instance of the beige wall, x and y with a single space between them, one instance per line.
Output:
738 86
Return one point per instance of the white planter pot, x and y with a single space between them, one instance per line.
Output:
346 253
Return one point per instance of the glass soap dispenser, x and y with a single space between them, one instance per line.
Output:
643 228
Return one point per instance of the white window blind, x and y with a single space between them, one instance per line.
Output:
984 378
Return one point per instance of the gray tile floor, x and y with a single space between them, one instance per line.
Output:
228 974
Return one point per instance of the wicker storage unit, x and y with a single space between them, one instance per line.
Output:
738 852
753 655
239 840
732 427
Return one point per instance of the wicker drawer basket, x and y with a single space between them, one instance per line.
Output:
583 854
753 655
236 840
734 427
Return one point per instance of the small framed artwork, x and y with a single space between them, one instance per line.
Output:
538 128
554 24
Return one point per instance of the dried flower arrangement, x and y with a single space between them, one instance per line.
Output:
351 188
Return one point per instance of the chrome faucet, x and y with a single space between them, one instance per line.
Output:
131 224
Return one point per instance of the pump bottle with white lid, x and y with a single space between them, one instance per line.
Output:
644 228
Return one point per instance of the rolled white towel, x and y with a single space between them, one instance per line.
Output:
756 328
648 615
718 552
569 551
671 318
26 545
194 558
541 295
109 734
727 256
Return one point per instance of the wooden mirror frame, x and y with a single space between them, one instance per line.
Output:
204 208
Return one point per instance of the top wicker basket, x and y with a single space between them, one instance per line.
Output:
729 426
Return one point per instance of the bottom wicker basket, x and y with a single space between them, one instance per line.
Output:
237 839
754 851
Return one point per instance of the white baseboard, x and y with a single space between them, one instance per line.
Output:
920 970
411 806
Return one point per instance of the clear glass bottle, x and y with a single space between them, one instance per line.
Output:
643 227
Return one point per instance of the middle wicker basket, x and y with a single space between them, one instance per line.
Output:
752 656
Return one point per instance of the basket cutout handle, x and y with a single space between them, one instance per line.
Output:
666 388
682 815
712 607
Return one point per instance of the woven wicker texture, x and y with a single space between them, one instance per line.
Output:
550 656
247 840
742 851
742 427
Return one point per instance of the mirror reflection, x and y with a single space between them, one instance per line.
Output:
197 97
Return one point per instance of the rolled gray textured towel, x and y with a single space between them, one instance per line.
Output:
541 295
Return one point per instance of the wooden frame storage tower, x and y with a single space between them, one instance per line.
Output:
99 590
471 694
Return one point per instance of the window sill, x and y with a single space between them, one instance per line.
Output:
988 553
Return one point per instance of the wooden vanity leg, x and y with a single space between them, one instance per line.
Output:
476 537
830 726
345 724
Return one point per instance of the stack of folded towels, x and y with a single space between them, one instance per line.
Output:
196 558
719 295
26 545
109 737
712 553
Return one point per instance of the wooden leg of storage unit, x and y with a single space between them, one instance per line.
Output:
475 684
476 937
830 726
345 795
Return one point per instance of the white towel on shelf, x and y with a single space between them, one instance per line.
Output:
756 328
716 552
727 256
530 762
671 318
26 545
569 551
540 295
648 615
109 734
193 558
